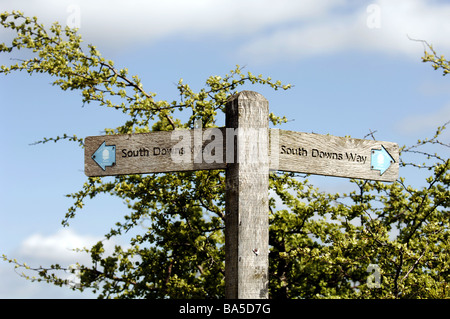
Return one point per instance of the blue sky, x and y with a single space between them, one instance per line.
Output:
351 63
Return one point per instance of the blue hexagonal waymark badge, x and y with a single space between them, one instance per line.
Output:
381 160
105 155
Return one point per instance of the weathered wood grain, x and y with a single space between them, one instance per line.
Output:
155 152
247 202
329 155
247 149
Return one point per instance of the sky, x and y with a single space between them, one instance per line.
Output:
353 64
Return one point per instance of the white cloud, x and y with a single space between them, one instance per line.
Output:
269 29
43 250
434 88
58 248
13 286
355 30
427 121
137 20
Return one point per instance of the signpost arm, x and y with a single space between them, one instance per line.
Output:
247 202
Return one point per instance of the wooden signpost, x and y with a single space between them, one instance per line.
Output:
247 149
156 152
334 156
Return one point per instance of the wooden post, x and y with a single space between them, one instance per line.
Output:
246 160
247 200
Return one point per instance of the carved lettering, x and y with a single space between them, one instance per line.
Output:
300 151
146 152
135 153
329 155
356 157
321 154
